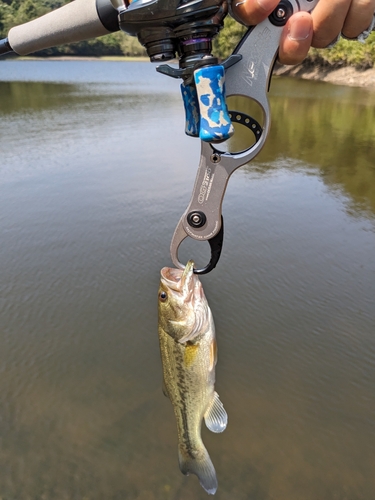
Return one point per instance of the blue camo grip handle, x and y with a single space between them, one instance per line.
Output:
190 100
215 123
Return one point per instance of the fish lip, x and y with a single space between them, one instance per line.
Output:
171 277
179 280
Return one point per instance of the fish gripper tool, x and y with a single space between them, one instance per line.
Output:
247 75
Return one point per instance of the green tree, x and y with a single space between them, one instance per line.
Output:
346 53
6 17
4 13
16 12
228 38
26 11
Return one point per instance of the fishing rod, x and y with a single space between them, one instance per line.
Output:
74 22
184 30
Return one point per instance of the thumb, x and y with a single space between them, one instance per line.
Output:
296 38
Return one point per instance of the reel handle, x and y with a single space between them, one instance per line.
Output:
205 105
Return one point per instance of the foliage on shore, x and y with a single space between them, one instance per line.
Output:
346 53
228 38
15 12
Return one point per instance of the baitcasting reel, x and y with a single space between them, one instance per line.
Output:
167 29
185 29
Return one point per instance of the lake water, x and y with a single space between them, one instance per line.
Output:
95 171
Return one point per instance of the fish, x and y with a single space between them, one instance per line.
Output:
189 356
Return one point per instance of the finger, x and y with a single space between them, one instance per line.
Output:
296 38
328 19
359 18
252 12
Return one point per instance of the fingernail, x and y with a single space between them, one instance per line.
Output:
299 30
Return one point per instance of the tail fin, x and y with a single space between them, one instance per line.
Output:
201 466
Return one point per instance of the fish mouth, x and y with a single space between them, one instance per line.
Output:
179 280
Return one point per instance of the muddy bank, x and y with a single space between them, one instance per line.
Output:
340 76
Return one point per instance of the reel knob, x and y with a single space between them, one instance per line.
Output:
206 110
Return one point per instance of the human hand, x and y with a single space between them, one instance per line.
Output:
318 29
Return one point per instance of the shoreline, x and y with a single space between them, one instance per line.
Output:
347 75
85 58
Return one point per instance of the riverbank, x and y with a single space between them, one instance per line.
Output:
346 75
85 58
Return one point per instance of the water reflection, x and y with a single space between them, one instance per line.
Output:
333 130
327 127
94 176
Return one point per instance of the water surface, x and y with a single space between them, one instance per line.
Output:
95 171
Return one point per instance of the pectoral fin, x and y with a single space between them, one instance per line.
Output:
216 417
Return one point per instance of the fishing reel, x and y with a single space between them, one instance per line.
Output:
185 29
168 29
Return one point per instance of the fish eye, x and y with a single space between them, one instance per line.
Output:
163 296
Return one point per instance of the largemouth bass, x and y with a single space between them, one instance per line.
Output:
189 355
